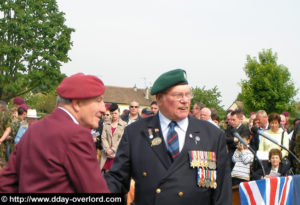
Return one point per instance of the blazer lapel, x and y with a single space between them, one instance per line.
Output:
158 148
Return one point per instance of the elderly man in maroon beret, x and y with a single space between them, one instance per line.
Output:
57 154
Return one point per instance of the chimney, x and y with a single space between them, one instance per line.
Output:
147 92
134 88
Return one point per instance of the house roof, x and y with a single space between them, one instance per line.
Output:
123 95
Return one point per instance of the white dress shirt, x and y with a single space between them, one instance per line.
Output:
71 116
181 129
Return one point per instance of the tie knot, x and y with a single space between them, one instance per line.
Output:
172 124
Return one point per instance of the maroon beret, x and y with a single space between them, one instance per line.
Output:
80 86
24 106
18 101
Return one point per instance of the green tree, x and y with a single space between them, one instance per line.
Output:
34 41
210 98
44 103
269 85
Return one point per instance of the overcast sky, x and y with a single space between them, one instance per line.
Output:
128 42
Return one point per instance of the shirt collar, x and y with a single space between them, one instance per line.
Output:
164 122
71 116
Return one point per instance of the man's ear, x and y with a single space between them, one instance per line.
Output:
76 105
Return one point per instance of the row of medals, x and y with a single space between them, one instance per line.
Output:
200 159
207 181
203 162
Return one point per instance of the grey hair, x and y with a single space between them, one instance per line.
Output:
62 101
262 112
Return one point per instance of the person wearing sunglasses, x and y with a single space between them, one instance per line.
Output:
174 158
133 115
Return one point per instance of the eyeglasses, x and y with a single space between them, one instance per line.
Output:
134 106
180 96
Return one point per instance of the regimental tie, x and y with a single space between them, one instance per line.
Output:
172 140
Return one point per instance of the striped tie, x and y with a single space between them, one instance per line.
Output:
172 139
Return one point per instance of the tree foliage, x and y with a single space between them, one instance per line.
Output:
269 85
44 103
209 97
34 41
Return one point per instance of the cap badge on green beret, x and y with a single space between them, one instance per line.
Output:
169 79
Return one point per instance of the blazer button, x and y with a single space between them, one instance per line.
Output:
144 174
158 191
180 194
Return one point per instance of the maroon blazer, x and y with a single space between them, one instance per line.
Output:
55 155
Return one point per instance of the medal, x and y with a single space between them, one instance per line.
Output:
210 162
196 157
201 159
205 160
156 141
199 175
150 133
211 184
197 139
207 179
192 159
203 178
214 160
215 179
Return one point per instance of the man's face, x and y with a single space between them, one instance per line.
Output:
263 120
134 108
31 120
154 108
228 119
175 102
235 121
89 112
196 110
204 114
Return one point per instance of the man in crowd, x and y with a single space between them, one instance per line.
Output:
263 120
57 154
205 114
146 113
133 114
155 152
154 107
196 109
235 124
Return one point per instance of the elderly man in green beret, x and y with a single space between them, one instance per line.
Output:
173 158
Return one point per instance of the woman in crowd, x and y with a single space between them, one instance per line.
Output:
111 137
276 133
275 168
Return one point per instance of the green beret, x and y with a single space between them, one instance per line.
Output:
169 79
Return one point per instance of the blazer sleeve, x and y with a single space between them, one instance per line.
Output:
81 164
223 193
118 178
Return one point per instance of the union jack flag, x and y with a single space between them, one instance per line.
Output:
269 191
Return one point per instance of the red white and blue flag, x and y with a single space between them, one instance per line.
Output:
269 191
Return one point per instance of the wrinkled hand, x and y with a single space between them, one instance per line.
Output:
110 153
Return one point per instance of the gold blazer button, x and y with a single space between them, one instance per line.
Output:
180 194
158 191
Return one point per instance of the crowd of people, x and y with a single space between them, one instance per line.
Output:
276 160
165 154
